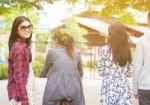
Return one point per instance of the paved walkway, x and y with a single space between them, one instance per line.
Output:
91 91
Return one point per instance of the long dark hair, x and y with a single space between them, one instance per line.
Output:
65 39
13 35
119 44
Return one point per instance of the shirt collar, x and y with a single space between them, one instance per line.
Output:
24 44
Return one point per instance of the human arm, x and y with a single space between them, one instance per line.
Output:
129 71
101 63
79 64
80 68
137 66
48 64
20 78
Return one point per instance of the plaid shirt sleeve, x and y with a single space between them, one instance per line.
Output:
20 78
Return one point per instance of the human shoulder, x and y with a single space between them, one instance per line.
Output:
51 50
104 48
17 44
104 51
144 37
147 36
17 47
77 50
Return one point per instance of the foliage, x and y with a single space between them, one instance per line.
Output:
143 5
108 9
3 71
121 16
32 16
75 30
36 67
118 5
114 4
9 17
3 44
91 64
41 41
38 63
127 18
3 51
23 5
4 10
14 12
72 1
40 47
42 36
93 2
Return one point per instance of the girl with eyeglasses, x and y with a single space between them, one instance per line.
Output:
20 73
64 68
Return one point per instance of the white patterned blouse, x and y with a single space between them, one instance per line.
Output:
115 89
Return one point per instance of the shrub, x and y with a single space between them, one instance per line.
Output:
91 64
3 71
40 47
38 63
37 66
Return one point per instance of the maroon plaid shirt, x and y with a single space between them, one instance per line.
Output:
18 71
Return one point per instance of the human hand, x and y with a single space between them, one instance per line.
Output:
136 96
42 76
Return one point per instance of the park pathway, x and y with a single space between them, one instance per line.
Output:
91 91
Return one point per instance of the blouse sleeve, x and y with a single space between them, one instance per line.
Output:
129 71
18 75
80 68
137 65
101 63
48 63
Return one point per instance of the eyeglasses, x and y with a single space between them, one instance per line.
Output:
24 28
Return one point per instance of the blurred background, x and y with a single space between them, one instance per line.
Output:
86 20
